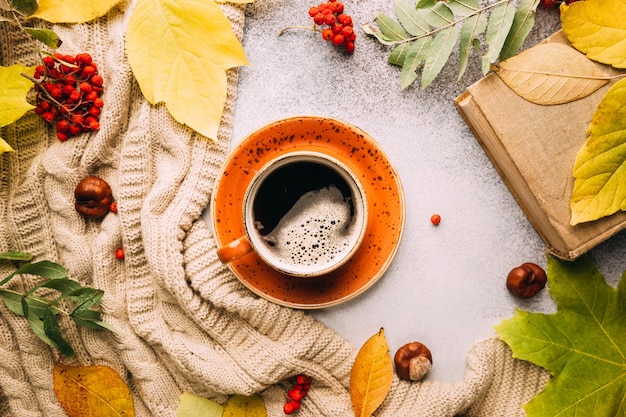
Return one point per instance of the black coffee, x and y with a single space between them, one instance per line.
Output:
304 212
283 188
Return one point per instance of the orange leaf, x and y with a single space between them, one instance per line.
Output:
92 391
371 375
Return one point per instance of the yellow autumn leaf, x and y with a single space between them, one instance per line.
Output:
92 391
179 51
245 406
551 73
600 166
194 406
371 375
598 29
73 11
13 93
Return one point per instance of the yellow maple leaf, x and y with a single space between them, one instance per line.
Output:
598 29
179 51
92 391
73 11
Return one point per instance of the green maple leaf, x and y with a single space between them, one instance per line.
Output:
583 344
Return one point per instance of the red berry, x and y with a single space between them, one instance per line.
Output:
289 408
119 254
48 116
113 207
344 19
435 219
302 379
97 80
98 102
62 136
549 4
318 19
329 19
313 11
338 39
85 87
327 34
94 125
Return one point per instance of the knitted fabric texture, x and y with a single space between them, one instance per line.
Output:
183 322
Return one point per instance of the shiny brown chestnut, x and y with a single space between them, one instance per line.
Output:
93 197
526 280
413 361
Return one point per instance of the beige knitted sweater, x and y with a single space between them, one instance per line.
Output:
183 321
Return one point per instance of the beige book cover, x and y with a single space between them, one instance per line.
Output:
533 148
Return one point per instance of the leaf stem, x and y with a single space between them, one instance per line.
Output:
313 28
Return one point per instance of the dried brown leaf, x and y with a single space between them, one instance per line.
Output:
371 375
551 74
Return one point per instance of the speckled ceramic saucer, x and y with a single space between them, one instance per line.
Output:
354 148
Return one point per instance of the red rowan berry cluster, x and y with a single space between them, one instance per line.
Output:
297 393
69 91
551 4
337 26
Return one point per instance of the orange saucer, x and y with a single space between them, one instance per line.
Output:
354 148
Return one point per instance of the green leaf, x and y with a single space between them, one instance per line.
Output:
440 51
85 298
16 256
425 4
523 22
53 331
248 406
64 285
45 269
24 7
415 57
472 27
48 37
398 54
13 301
600 166
439 15
410 18
391 29
464 7
194 406
583 344
500 22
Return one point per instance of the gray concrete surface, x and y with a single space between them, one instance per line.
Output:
446 285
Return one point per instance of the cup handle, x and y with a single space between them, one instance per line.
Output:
234 250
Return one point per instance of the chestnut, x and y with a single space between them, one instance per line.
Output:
93 197
526 280
413 361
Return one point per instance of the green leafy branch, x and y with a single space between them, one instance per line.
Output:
18 11
425 35
42 312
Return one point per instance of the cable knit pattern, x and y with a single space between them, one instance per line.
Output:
183 321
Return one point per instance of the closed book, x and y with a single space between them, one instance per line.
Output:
533 147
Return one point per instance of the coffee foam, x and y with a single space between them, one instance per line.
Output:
315 231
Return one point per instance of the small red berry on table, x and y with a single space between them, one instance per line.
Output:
435 219
119 253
